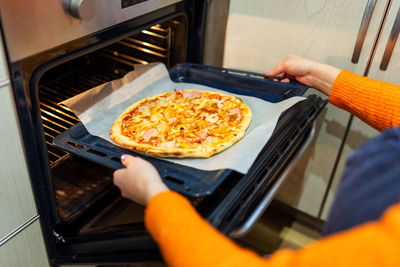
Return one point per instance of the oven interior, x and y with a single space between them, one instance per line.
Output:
88 205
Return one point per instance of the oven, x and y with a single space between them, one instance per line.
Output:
58 49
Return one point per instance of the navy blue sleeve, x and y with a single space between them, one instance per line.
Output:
369 185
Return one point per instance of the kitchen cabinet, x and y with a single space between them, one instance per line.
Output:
391 73
260 33
359 132
21 241
25 249
16 198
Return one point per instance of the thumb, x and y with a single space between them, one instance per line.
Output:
278 69
307 80
127 159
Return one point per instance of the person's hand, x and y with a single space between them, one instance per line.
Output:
311 73
139 180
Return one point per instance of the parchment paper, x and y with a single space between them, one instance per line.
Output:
98 108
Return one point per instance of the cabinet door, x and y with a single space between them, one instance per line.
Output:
389 36
25 249
262 32
17 204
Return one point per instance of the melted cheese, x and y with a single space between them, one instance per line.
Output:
184 119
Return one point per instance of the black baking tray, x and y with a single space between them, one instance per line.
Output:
190 181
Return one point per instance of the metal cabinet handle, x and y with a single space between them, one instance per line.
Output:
362 32
258 211
391 42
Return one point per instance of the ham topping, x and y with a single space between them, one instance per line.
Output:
203 136
190 94
149 133
236 111
169 144
146 105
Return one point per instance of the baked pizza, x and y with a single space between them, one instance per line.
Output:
188 123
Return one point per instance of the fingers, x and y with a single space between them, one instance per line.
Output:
281 67
278 69
292 65
118 174
126 159
139 180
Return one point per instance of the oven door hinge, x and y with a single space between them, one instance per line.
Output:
59 237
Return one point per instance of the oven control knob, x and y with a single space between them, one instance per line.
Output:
81 9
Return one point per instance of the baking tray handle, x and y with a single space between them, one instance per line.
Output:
259 210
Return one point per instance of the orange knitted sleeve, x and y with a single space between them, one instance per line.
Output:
375 102
187 240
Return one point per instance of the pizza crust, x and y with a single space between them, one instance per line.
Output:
201 151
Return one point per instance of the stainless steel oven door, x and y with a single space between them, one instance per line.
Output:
250 220
45 24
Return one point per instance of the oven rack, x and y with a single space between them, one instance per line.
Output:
107 64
